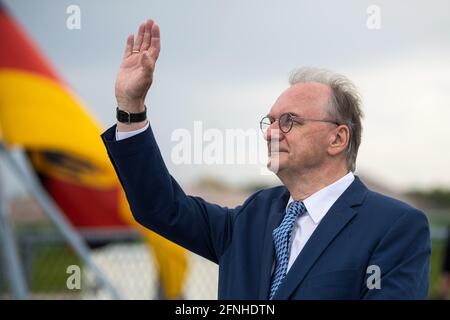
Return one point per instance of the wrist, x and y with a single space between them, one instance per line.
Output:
133 106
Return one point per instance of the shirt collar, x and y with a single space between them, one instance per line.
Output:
320 202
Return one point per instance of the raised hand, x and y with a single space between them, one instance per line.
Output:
135 75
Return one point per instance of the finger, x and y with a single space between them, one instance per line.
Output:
129 46
155 44
140 37
147 35
146 61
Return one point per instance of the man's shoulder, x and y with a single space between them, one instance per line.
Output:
264 197
390 209
270 193
376 209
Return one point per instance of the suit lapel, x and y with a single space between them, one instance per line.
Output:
339 215
333 222
277 210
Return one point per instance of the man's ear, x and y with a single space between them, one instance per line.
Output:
339 140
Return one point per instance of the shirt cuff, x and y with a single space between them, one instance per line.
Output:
121 135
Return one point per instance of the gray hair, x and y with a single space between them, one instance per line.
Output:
344 106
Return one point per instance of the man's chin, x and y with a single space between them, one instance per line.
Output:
276 163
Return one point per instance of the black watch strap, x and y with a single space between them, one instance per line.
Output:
127 117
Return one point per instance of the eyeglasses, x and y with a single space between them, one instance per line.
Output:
286 121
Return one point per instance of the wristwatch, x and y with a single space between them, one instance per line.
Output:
128 117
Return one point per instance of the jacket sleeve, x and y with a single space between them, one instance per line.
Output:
158 202
403 258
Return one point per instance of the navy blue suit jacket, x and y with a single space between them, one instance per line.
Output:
361 229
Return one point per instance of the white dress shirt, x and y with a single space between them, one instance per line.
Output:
316 204
120 135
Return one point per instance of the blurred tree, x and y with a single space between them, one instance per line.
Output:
437 198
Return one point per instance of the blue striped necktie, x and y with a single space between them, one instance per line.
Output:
282 239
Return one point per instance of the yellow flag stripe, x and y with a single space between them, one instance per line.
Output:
39 114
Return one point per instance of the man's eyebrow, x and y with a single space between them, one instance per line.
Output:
291 113
294 114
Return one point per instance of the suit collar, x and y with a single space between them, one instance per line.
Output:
355 194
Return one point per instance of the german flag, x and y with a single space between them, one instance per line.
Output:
40 113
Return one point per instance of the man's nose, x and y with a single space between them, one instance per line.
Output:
273 133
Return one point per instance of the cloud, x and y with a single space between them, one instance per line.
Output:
406 133
225 63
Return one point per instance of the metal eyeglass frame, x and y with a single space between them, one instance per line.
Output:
291 118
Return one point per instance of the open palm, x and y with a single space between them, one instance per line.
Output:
135 75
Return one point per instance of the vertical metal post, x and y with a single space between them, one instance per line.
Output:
27 175
12 263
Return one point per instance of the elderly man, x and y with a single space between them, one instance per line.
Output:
322 235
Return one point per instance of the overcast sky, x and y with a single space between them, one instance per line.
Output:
225 63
